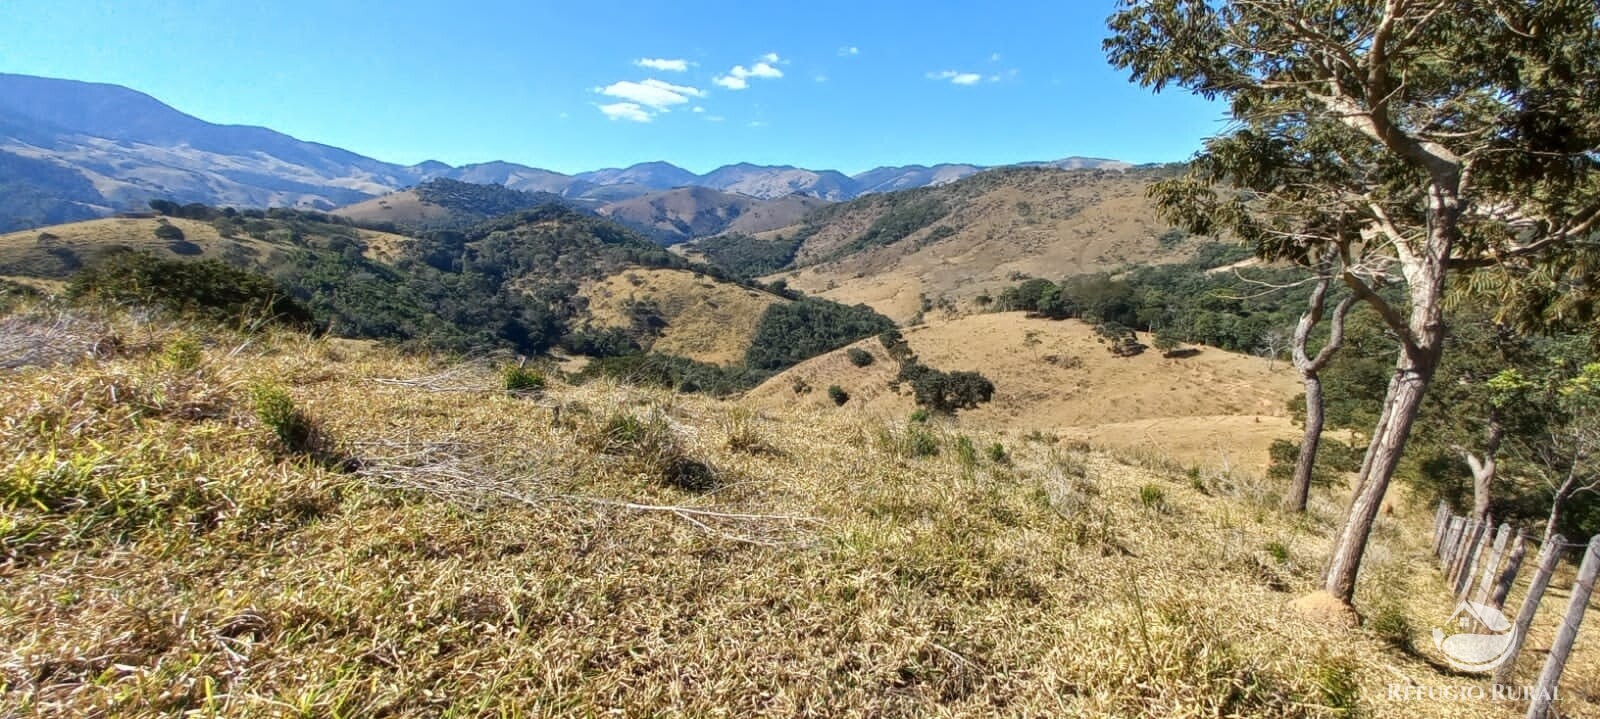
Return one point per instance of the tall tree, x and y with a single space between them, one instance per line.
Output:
1416 137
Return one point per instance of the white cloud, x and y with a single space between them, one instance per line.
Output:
765 70
698 109
956 78
662 64
848 51
738 77
626 111
821 78
653 93
995 57
756 123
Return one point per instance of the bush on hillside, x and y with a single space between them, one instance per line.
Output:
860 357
793 332
207 288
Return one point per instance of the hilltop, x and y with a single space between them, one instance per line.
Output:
442 204
689 212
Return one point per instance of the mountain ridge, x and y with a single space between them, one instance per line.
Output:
130 147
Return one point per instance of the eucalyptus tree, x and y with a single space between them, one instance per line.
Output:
1416 138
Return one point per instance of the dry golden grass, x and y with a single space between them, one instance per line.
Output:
707 320
24 254
164 554
399 207
1199 408
1041 223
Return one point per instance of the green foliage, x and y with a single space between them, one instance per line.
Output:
672 372
997 453
966 452
1391 625
748 257
1154 498
800 386
471 203
919 416
273 407
838 395
206 289
1334 460
908 212
793 332
518 379
945 392
168 232
1118 339
917 441
1278 551
860 357
182 354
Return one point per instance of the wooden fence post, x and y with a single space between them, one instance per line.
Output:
1492 564
1469 538
1549 554
1544 692
1502 586
1469 569
1441 525
1447 550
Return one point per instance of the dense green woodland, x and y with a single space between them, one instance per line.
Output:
508 283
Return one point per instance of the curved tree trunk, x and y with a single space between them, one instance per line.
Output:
1310 374
1484 469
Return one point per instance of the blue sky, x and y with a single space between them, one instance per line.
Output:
821 84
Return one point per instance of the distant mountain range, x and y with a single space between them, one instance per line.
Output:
74 150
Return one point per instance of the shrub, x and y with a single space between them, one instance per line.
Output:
793 332
652 448
1278 551
838 395
919 442
945 392
966 452
997 453
860 357
522 380
1153 498
275 408
170 233
800 386
207 288
182 354
919 415
1391 625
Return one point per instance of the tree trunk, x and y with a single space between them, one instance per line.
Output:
1421 345
1311 374
1387 446
1483 470
1300 489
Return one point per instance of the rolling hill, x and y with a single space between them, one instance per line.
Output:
906 251
1056 377
689 212
442 204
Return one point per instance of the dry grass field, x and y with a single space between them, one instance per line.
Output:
1040 223
1055 377
205 524
707 320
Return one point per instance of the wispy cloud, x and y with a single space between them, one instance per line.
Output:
645 99
631 111
738 77
662 64
956 77
849 51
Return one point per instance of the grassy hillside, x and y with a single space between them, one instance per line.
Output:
1056 377
445 549
898 250
444 204
687 212
705 320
